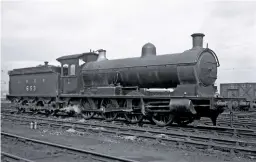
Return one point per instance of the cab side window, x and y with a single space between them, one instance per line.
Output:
65 70
73 69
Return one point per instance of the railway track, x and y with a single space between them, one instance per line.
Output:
223 121
10 157
236 122
239 133
61 149
240 117
236 146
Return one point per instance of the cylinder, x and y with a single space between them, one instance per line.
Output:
197 39
181 106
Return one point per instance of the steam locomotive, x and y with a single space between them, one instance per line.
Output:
136 88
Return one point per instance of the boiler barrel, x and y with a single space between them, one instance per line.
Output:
162 71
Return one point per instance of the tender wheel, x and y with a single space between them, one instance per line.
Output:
21 107
135 116
47 112
55 112
23 110
40 107
162 119
87 104
71 113
20 110
109 104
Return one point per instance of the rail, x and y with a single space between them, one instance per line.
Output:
86 152
14 157
184 138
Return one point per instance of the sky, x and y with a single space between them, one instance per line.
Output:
34 31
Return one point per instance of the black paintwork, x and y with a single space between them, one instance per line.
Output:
192 72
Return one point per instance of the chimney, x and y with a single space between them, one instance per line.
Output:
46 63
102 55
197 40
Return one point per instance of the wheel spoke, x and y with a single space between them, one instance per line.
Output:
109 116
109 104
162 119
87 104
134 116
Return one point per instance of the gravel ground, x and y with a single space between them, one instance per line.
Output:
37 152
128 147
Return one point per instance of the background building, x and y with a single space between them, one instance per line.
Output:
245 90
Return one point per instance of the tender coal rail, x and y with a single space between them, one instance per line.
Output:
89 155
10 157
247 149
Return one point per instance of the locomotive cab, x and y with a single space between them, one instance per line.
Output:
71 65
